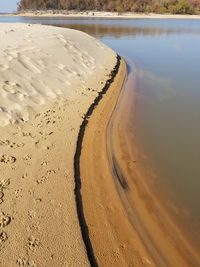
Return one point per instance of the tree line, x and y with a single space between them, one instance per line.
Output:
120 6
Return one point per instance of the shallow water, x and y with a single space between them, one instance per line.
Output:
166 111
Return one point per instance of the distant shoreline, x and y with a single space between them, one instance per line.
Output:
105 15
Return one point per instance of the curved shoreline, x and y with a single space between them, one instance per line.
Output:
77 190
114 241
63 71
127 223
161 235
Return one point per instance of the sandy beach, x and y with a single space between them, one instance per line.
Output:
72 190
49 78
102 14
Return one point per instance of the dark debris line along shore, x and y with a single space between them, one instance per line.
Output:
77 190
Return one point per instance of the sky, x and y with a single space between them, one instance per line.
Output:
8 5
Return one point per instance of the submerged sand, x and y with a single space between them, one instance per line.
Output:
115 242
48 78
128 223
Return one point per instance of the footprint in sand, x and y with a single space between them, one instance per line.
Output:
34 227
18 193
33 243
11 144
31 192
8 86
25 262
1 195
7 159
28 134
3 237
27 158
49 172
42 180
3 184
45 177
4 220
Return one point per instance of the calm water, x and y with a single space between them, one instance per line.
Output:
166 54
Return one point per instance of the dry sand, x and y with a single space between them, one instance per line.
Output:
101 14
48 78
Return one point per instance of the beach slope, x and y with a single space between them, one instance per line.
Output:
48 78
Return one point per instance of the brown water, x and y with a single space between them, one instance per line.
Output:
166 108
141 191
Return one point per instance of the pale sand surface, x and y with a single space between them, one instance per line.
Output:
102 14
49 77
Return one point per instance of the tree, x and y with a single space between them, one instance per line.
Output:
158 6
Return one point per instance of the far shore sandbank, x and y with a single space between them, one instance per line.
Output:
101 14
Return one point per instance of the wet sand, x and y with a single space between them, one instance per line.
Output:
127 223
113 240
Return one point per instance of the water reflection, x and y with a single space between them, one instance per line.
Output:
114 27
99 30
